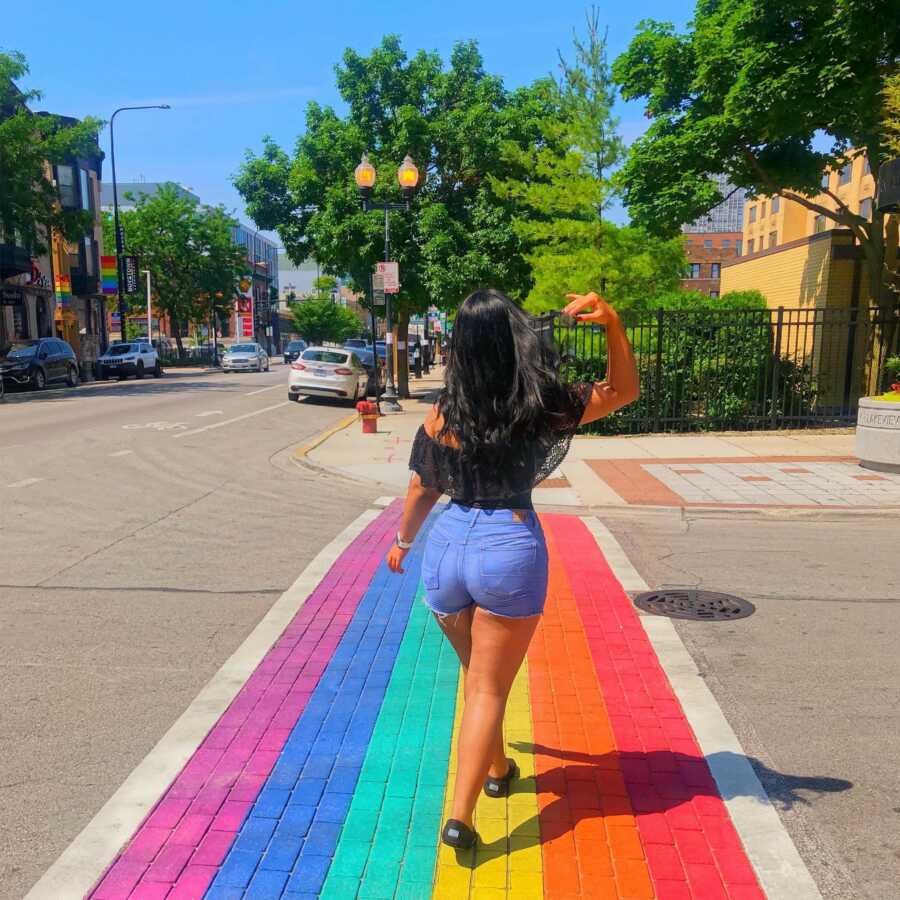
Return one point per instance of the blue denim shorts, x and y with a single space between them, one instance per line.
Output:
493 558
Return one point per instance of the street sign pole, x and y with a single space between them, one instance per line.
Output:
390 393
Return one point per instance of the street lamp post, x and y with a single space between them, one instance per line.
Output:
119 248
408 178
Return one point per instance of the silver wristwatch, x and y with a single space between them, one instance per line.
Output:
403 545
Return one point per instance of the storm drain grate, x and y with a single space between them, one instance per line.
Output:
687 603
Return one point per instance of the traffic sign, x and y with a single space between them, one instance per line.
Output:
378 290
390 271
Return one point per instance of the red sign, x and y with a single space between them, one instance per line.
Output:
390 272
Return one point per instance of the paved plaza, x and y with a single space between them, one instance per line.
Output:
328 772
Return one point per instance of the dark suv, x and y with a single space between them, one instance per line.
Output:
37 363
293 350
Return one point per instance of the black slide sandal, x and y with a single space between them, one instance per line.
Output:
499 787
457 834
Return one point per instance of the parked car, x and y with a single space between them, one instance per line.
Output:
37 363
356 344
328 372
293 350
124 358
367 358
245 358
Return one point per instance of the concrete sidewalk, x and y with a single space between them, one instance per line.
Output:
328 770
805 470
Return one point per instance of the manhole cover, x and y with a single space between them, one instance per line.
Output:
686 603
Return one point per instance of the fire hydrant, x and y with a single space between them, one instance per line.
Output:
368 412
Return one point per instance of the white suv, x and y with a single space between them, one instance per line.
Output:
136 358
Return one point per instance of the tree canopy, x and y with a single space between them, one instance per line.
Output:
321 320
188 248
452 120
29 200
749 90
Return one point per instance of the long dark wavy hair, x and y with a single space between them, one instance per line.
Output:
502 390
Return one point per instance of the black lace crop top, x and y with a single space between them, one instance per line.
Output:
439 466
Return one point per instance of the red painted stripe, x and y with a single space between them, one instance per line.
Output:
684 825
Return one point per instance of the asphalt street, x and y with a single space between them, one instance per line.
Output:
145 528
809 682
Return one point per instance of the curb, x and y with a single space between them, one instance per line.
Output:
774 512
300 456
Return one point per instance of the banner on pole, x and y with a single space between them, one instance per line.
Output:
108 275
390 272
378 290
130 273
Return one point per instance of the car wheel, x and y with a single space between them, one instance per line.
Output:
267 365
72 377
294 397
102 373
139 371
38 380
157 370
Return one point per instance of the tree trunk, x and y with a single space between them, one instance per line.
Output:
176 327
880 254
401 326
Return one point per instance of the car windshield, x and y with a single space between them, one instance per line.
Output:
296 345
355 342
325 356
122 349
243 348
22 349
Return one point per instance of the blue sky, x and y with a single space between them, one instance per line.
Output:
236 71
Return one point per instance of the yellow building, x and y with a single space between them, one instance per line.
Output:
772 221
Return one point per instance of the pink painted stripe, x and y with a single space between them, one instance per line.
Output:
685 829
191 828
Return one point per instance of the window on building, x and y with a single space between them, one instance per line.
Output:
694 270
753 213
762 210
846 173
773 238
726 243
819 224
738 246
865 207
750 244
714 294
65 180
88 255
707 244
85 182
776 204
714 270
825 177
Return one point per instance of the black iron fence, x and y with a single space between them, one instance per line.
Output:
736 369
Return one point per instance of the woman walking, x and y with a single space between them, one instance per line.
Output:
502 423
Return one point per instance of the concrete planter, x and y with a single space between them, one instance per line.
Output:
878 434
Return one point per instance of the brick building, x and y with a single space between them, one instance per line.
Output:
713 239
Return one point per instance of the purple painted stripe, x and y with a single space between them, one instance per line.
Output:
192 827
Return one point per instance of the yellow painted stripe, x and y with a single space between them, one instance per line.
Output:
508 859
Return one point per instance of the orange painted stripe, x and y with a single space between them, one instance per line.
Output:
589 837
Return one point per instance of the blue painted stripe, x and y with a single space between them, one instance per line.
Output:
295 823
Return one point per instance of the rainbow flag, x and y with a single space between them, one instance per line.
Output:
63 285
108 274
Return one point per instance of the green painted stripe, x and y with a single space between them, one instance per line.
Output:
388 842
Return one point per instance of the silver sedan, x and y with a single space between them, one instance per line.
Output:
245 358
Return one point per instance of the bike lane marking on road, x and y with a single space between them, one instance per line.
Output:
82 863
25 482
249 415
289 836
777 862
122 453
210 412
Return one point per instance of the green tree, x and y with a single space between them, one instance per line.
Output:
29 200
560 186
194 264
324 285
321 320
746 91
452 121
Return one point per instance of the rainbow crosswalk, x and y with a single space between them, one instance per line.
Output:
331 772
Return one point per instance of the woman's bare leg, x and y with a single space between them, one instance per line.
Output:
458 629
498 646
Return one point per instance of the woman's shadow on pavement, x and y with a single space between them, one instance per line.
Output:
585 788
